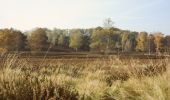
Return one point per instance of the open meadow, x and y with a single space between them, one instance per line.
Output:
84 79
85 50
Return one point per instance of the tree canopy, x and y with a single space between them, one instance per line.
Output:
99 39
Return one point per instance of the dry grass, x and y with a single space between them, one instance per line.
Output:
114 79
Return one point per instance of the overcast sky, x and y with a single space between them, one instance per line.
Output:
135 15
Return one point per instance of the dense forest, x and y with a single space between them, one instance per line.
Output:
106 39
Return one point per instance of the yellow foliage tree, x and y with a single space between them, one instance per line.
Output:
37 40
142 42
159 42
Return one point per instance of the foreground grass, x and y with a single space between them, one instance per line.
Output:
96 80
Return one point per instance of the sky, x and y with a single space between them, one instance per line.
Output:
134 15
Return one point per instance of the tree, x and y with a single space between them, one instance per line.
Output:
151 44
20 41
142 42
108 23
66 34
12 40
55 35
167 43
62 40
86 43
49 34
99 40
86 40
6 43
124 39
114 39
76 40
159 42
37 40
131 42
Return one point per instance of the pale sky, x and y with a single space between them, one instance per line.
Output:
135 15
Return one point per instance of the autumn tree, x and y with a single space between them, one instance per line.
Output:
115 38
99 40
37 40
103 40
62 40
66 34
108 24
167 43
130 43
159 42
20 40
76 40
49 34
151 44
86 39
86 43
142 42
12 40
128 40
55 35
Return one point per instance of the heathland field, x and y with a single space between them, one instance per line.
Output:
108 78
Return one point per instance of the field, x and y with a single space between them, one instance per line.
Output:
80 78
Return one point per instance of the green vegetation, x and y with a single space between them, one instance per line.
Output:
76 79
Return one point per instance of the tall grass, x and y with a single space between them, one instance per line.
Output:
114 79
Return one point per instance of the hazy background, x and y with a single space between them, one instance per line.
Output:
137 15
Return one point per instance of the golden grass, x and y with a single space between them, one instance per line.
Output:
114 79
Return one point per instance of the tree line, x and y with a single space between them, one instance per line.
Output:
99 39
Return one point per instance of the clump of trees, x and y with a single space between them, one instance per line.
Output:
142 42
12 40
76 40
99 39
37 40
